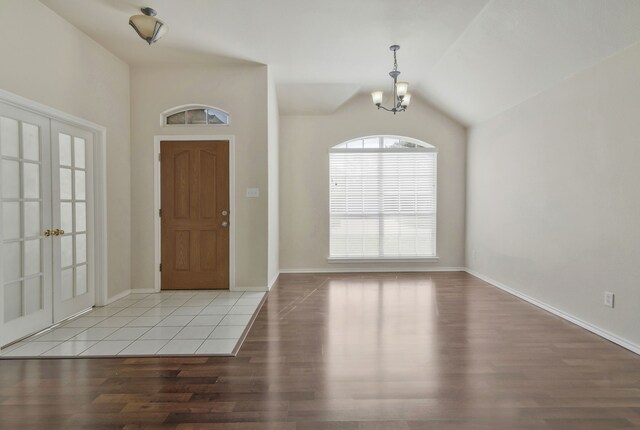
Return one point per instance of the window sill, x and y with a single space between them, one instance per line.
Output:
383 259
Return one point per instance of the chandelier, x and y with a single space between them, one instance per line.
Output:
401 98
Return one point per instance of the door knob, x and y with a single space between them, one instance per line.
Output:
48 233
225 213
225 224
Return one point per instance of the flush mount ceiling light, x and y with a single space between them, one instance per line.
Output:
401 98
148 26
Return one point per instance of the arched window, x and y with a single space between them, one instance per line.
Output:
194 115
383 199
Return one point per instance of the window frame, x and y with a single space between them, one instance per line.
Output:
421 147
184 108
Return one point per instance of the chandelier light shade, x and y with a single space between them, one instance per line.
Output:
148 26
406 100
377 97
402 88
401 94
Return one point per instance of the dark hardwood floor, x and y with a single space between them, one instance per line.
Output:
380 351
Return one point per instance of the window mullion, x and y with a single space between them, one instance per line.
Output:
380 158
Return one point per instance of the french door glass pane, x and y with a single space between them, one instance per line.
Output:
67 284
12 301
32 219
9 143
30 142
78 152
81 216
81 248
11 220
65 149
80 185
31 180
12 261
65 184
10 179
33 295
66 216
66 254
31 257
81 280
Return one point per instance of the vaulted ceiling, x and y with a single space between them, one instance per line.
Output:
471 58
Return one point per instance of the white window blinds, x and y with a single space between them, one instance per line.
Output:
382 202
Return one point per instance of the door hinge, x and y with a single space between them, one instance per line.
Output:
160 212
160 267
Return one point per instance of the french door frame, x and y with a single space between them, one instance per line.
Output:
157 197
99 181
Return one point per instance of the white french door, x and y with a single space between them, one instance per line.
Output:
26 298
46 217
72 204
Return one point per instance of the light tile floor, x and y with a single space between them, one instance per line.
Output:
166 323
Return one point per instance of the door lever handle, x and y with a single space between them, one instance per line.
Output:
48 233
57 232
225 224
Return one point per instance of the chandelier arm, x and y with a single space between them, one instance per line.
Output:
388 110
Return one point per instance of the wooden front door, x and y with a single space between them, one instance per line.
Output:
195 214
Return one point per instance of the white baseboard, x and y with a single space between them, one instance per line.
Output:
273 281
118 296
125 293
258 289
375 270
577 321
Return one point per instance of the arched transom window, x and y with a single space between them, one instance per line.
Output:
383 199
195 115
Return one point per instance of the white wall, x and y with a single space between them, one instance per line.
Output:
46 59
304 179
239 90
554 205
273 117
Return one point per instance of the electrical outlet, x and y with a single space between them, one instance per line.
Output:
608 298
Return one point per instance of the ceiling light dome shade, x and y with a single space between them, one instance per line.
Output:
148 26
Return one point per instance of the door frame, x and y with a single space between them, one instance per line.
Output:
156 201
99 182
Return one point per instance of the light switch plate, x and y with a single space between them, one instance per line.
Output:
253 192
609 299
